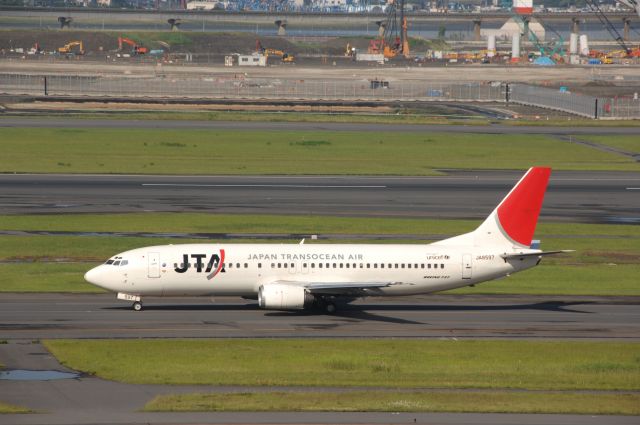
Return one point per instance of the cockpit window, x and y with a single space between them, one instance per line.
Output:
109 262
124 262
116 263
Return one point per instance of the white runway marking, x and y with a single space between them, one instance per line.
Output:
305 186
633 188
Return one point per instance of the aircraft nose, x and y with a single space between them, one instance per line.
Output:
97 276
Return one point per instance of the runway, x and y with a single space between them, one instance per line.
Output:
36 316
597 197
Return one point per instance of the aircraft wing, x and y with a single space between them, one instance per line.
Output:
337 288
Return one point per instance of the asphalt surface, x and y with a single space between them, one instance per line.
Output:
592 197
601 197
36 316
89 400
309 126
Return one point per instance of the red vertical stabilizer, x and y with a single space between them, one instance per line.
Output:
518 212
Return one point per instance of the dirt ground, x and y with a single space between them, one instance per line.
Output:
104 42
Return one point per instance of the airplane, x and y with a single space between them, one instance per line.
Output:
299 276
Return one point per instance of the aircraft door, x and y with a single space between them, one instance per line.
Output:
154 265
466 266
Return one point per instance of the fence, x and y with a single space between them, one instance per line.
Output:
240 87
542 97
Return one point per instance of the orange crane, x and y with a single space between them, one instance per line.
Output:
135 48
68 48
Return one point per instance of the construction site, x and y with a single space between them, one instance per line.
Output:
393 65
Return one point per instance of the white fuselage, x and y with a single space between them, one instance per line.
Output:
412 269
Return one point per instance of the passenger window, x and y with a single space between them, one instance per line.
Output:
237 265
382 266
313 265
368 265
396 266
284 265
280 265
422 266
230 265
347 265
319 265
273 265
246 266
429 265
304 265
293 265
402 265
442 266
341 265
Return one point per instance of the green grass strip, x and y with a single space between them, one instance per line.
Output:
383 401
629 144
155 151
46 277
399 363
9 408
297 224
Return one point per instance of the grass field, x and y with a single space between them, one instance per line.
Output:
151 151
397 363
630 144
393 401
605 262
295 224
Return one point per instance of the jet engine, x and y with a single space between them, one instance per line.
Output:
277 296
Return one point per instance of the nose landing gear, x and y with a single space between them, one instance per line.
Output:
137 306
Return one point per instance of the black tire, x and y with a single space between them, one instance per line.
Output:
137 306
330 308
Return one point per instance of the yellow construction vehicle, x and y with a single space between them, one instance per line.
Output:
284 56
68 48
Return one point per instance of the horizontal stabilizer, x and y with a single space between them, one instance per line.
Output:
534 254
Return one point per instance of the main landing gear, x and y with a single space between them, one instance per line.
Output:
137 306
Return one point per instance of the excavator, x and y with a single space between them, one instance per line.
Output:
285 57
68 48
135 48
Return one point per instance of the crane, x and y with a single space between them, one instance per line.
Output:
68 48
394 39
630 52
633 4
135 48
551 50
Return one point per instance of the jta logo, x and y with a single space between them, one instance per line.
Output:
213 266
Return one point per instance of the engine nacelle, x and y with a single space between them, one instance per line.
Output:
276 296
